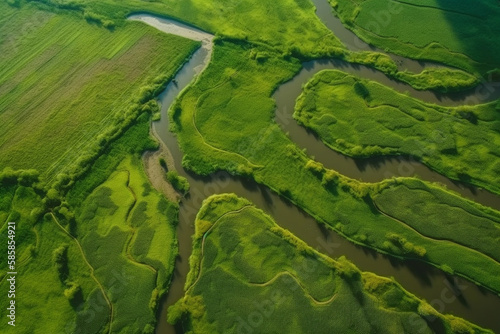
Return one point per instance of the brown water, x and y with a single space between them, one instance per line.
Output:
447 294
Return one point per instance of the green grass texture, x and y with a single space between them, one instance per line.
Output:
249 275
64 82
451 32
363 118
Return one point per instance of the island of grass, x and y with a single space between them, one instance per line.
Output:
362 118
232 97
249 275
439 79
442 31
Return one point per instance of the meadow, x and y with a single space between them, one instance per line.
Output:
363 118
65 83
291 26
452 33
239 87
249 275
446 217
111 250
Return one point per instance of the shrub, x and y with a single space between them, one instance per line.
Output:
163 163
60 260
179 183
74 293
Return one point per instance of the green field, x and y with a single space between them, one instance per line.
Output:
290 25
249 275
96 242
66 84
451 32
259 148
439 216
115 241
363 118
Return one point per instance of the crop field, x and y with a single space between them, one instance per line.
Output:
249 275
363 118
64 81
261 150
451 32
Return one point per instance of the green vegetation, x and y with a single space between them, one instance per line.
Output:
95 241
290 25
436 214
442 31
69 87
179 183
246 276
111 250
439 79
98 242
239 87
363 118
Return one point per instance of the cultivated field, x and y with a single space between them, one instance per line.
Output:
110 255
64 82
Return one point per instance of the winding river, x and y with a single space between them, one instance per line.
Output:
447 294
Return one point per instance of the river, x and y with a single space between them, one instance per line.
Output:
472 303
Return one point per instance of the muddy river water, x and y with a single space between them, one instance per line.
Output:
447 294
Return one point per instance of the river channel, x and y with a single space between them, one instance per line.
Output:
473 303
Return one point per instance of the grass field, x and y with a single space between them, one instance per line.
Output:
249 275
114 236
258 148
437 215
64 82
126 227
363 118
290 25
450 32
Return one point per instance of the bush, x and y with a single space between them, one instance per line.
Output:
74 293
163 163
60 260
179 183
